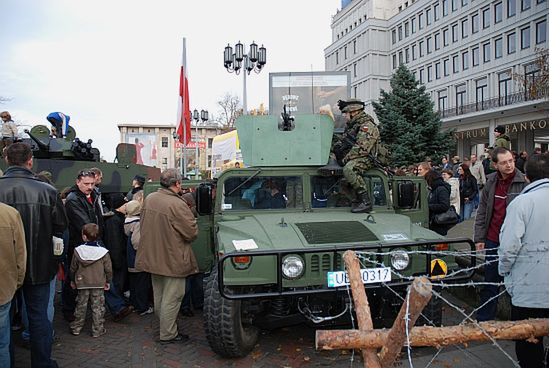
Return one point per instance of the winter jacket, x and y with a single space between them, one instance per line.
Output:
91 266
503 141
80 212
167 229
454 193
133 234
13 253
486 206
439 202
43 217
477 170
524 247
115 240
9 129
467 188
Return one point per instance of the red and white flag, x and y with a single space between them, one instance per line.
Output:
183 111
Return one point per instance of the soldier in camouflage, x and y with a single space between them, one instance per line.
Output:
354 150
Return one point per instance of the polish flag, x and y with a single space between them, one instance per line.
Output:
183 111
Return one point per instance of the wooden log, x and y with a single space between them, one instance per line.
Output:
362 308
420 293
435 336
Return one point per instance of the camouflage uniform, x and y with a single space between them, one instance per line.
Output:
97 301
357 161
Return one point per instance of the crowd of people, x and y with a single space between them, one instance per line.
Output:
105 247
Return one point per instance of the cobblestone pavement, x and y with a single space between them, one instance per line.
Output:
133 343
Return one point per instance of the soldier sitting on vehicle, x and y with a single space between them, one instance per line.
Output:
356 150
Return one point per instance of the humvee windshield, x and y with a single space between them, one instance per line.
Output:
329 191
262 192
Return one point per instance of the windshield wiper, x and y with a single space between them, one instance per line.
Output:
244 182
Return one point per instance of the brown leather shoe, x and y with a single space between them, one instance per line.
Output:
126 311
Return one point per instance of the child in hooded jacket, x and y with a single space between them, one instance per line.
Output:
91 270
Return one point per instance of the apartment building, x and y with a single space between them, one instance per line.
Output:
465 52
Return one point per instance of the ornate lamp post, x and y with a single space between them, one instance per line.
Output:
197 117
176 139
254 60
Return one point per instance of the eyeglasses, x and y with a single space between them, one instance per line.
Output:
85 173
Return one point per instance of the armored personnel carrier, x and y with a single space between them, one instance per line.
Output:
65 157
273 235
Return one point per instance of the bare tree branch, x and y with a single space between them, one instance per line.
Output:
535 80
230 109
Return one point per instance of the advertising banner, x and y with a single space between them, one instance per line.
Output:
145 147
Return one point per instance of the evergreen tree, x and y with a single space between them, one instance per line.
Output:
408 124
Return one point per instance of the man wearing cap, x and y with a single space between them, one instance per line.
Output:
359 140
137 185
502 139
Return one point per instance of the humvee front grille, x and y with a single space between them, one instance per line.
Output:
335 232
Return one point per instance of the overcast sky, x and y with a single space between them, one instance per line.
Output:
111 62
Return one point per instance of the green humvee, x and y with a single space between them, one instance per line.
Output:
273 235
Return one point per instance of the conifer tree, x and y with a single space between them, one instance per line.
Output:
408 124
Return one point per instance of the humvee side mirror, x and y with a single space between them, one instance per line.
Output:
406 194
204 203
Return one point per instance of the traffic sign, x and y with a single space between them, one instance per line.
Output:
439 269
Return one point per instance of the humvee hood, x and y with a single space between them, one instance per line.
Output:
297 230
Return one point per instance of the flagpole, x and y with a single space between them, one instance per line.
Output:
183 160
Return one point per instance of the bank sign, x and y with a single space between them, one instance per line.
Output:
510 128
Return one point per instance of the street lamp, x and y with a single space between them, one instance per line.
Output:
254 60
197 117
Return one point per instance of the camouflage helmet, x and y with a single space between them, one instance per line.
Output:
350 105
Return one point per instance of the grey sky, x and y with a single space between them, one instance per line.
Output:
110 62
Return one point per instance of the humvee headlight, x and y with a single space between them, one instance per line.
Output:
292 267
400 259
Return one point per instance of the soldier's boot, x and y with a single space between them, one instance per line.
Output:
365 206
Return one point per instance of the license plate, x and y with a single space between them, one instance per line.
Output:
368 275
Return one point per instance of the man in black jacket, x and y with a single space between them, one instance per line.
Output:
43 218
83 207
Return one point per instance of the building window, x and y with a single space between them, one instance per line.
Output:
209 160
429 73
498 12
210 142
421 75
429 16
525 38
455 63
511 8
511 43
400 33
464 28
476 56
446 67
394 36
407 55
436 10
541 32
394 61
164 142
531 72
421 48
355 89
444 8
437 41
481 92
414 52
455 4
354 70
437 70
400 58
504 87
429 44
474 23
460 97
345 52
498 48
354 46
454 33
446 37
337 57
486 18
420 20
465 60
406 29
413 21
525 5
486 52
442 100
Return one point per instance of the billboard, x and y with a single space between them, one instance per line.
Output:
305 92
145 148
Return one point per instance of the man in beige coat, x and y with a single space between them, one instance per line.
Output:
168 228
13 263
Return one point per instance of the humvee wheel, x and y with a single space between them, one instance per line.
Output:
227 335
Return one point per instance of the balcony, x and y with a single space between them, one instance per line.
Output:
495 102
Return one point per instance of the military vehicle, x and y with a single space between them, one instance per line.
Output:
65 157
272 236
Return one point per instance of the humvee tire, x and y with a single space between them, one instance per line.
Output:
225 331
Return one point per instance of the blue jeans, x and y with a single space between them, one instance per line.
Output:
5 335
40 328
51 310
466 210
114 301
488 312
194 292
